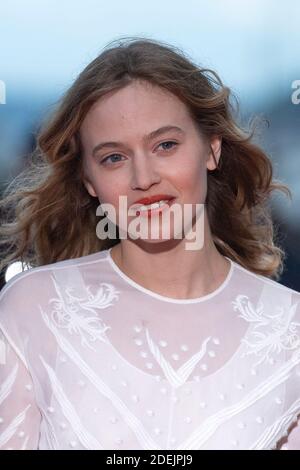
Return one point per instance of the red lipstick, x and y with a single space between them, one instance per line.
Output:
152 199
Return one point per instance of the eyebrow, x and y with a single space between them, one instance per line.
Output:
146 138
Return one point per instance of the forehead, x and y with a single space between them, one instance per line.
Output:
138 106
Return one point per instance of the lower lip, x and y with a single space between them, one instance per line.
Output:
158 210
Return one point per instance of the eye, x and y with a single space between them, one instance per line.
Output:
168 142
118 155
110 156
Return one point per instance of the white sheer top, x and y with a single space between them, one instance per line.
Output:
90 359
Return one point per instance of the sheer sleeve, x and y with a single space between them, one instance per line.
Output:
293 442
19 415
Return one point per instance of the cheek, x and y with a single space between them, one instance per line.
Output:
192 178
109 192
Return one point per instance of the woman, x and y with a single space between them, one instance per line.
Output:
143 342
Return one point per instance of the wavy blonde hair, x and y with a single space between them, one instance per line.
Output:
47 212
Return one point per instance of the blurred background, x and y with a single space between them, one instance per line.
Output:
253 45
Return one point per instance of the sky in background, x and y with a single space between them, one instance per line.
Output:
253 44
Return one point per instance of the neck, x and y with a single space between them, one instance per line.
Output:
173 271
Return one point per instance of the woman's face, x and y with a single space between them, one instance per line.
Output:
173 162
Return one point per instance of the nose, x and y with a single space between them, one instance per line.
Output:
144 173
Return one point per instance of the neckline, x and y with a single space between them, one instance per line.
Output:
163 298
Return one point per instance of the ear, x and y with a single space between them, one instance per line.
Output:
89 186
216 145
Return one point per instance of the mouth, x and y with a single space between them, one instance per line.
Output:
155 208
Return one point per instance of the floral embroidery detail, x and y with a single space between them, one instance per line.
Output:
71 311
281 332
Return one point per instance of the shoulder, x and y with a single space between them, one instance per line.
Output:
30 282
28 293
26 299
268 284
269 299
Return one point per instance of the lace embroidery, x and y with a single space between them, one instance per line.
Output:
72 312
281 332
